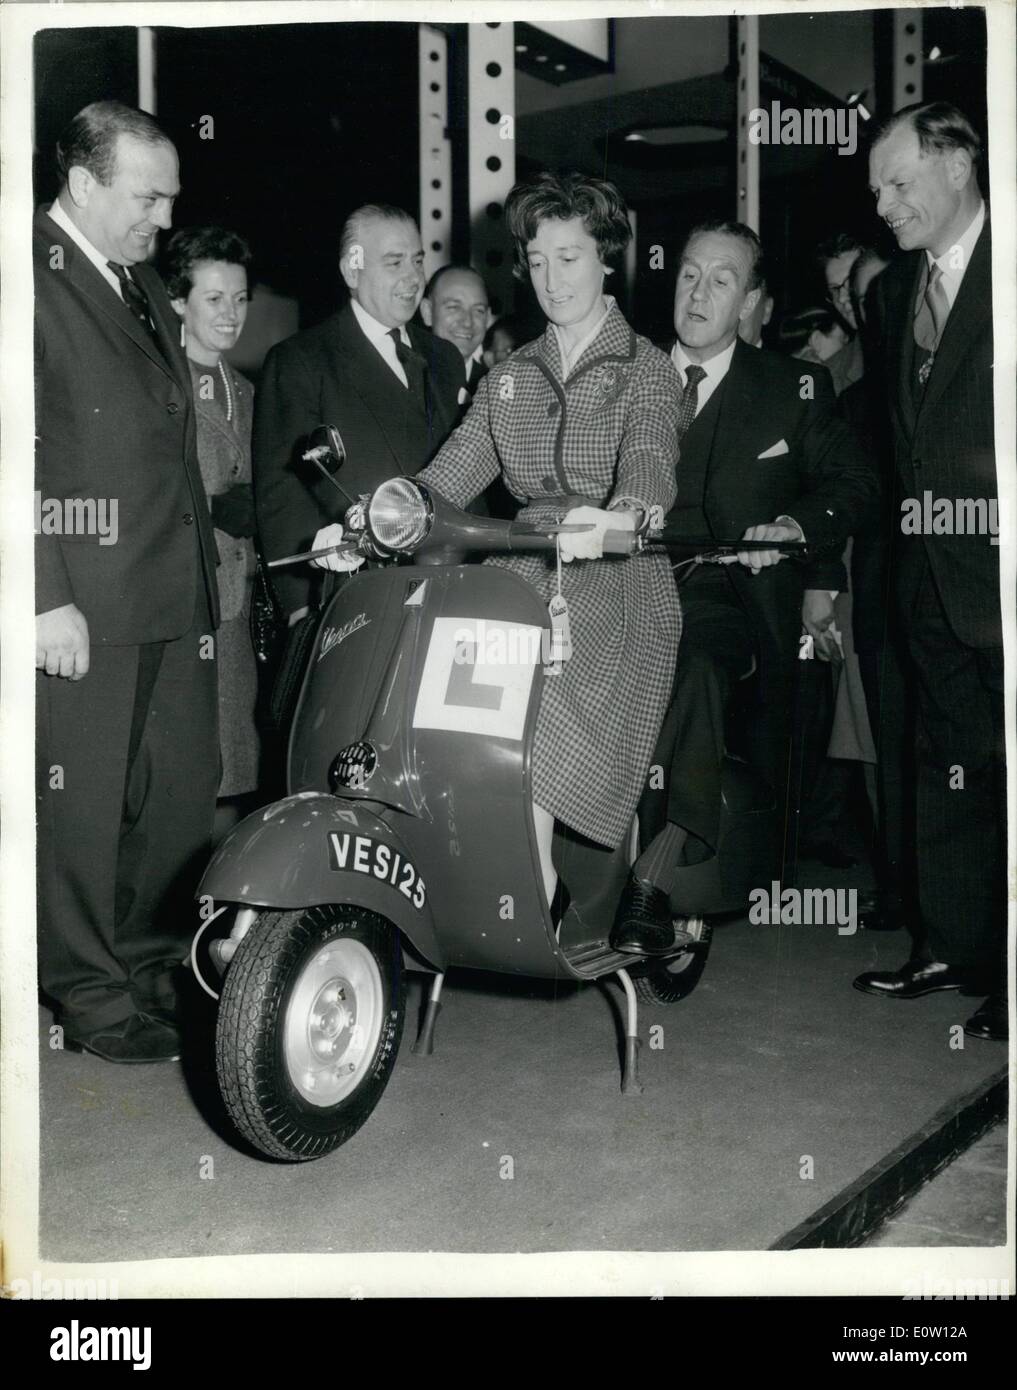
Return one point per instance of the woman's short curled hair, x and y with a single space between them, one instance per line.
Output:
559 198
193 245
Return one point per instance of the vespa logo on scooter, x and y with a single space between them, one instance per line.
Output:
332 636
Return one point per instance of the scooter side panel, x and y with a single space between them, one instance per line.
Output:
347 669
311 849
472 736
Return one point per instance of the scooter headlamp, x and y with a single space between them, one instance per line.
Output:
399 514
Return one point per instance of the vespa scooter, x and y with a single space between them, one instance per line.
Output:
407 840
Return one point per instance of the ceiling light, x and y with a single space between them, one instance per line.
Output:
677 134
935 53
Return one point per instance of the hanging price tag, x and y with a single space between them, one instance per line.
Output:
561 634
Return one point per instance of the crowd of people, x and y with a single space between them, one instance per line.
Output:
151 735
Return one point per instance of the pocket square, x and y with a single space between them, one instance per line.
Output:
775 450
463 396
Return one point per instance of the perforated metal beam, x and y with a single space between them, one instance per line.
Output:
492 158
747 168
435 149
907 57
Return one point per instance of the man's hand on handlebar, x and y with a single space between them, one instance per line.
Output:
341 564
755 560
589 545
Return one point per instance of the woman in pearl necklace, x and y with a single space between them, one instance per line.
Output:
206 274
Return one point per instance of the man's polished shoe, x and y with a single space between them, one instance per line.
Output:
912 980
642 924
990 1021
139 1039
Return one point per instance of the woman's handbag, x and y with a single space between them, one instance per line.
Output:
268 623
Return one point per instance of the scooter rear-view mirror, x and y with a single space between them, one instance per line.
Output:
327 452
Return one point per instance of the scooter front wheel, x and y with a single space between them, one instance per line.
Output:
672 980
310 1018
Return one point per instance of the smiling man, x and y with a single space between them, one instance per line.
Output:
391 388
763 456
455 307
934 309
127 739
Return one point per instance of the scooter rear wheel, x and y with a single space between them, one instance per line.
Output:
671 981
310 1018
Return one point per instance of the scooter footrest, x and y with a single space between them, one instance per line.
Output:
596 958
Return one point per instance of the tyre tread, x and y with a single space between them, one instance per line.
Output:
251 998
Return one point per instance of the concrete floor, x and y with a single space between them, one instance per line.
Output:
772 1062
965 1204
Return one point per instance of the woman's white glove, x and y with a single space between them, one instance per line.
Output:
589 545
341 564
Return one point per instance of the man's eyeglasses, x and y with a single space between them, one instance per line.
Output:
841 291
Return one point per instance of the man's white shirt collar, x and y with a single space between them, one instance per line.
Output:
955 260
716 370
380 339
59 216
377 332
474 360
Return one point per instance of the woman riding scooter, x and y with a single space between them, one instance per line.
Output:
581 424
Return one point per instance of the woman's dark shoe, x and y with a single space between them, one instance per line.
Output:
912 980
642 924
990 1021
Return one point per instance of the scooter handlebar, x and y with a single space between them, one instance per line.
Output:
621 542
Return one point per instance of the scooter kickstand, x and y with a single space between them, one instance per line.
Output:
424 1045
630 1067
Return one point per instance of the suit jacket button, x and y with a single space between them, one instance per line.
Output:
172 408
188 519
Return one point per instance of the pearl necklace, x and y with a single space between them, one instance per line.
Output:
229 393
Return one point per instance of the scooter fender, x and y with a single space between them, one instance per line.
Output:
312 848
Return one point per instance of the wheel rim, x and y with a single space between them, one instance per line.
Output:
333 1022
677 965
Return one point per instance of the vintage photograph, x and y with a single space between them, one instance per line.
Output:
521 562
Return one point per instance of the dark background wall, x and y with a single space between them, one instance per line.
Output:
312 119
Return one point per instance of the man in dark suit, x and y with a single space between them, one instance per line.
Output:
391 388
763 457
455 307
935 313
126 722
